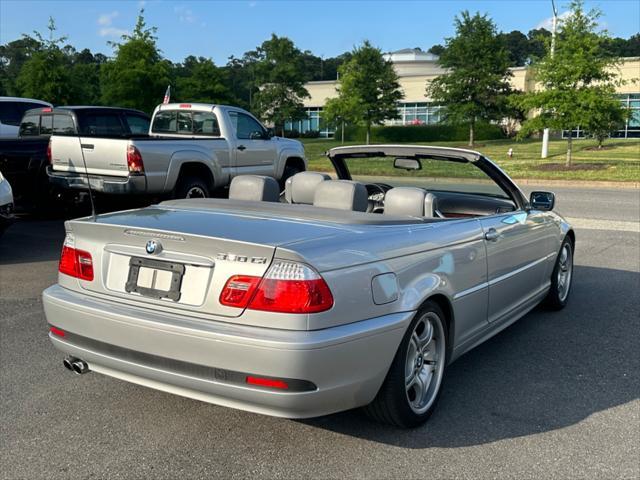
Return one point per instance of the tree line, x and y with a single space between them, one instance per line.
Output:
579 78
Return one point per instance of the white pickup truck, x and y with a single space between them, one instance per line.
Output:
190 151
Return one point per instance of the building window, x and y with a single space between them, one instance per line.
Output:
418 114
631 128
313 122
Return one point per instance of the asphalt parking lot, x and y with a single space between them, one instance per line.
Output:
554 396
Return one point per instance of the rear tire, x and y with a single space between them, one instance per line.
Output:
190 186
411 390
561 278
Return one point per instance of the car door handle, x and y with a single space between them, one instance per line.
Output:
87 146
241 147
492 235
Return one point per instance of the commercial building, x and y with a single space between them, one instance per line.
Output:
416 68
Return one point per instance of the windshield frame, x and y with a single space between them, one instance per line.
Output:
338 157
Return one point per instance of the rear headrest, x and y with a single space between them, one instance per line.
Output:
411 201
341 195
254 187
301 187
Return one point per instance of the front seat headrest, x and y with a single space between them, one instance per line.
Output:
301 187
342 195
411 201
254 187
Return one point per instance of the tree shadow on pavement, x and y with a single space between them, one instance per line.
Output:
547 371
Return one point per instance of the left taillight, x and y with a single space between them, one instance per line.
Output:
134 160
75 263
287 287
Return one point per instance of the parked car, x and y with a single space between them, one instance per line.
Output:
11 111
6 204
356 292
24 159
191 150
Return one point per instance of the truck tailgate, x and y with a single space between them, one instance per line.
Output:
103 156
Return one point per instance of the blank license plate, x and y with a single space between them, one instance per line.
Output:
155 278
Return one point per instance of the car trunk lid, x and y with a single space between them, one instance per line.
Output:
166 258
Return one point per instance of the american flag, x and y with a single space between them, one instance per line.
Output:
167 95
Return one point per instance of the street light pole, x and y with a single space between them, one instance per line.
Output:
554 26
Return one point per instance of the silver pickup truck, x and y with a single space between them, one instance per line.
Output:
190 151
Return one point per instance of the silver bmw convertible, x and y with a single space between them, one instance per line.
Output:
354 289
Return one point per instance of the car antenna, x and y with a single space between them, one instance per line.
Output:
86 171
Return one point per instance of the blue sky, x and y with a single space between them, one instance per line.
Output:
218 29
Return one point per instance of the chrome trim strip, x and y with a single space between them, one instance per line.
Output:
499 279
520 270
471 290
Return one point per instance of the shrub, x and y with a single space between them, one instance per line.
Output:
423 133
310 134
292 133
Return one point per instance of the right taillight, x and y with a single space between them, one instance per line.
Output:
134 160
49 157
75 263
287 287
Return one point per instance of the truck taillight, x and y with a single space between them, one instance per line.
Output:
49 157
134 160
287 287
75 263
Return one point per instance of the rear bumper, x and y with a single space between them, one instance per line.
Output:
202 359
129 185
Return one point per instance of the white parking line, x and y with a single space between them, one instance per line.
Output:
612 225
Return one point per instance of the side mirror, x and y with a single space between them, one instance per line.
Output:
407 164
270 133
542 200
257 135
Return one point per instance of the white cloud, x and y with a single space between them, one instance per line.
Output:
547 23
185 15
106 19
112 32
107 29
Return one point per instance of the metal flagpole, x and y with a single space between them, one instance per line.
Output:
554 25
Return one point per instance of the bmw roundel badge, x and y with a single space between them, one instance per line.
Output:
153 247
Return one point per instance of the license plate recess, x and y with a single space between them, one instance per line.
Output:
175 269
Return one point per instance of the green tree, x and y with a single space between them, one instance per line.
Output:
518 47
199 80
138 75
280 76
368 90
47 74
13 55
436 49
606 116
539 39
476 84
85 76
576 80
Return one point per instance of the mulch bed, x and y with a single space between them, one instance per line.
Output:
561 167
596 149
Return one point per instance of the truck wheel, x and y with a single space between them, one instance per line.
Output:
289 171
192 187
412 388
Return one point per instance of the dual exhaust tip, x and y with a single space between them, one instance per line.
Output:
76 365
